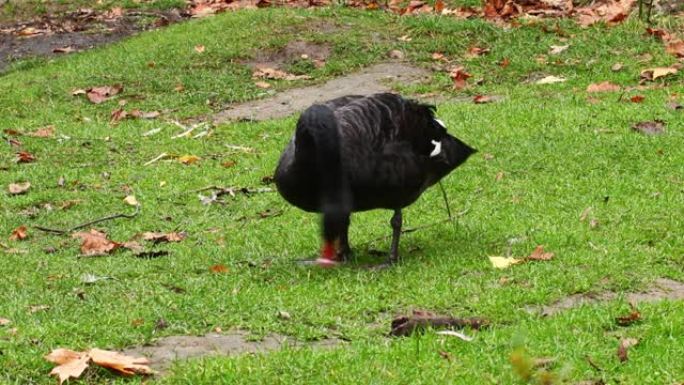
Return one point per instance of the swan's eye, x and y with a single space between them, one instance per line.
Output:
438 148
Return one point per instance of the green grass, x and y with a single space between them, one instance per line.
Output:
559 153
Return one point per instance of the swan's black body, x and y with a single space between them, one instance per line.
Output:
360 153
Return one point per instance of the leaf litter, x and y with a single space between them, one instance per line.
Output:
72 364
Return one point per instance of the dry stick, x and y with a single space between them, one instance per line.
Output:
82 225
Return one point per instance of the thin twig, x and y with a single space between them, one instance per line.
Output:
89 223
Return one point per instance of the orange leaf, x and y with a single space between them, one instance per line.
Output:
189 159
219 269
637 98
120 363
95 243
603 87
98 95
676 48
539 255
18 234
504 63
439 6
481 99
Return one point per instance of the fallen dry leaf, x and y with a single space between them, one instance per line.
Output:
675 47
68 49
276 74
504 262
459 76
25 157
199 48
437 56
504 63
18 188
616 67
130 199
4 322
674 106
539 255
19 234
95 243
550 80
482 99
637 98
659 33
395 54
38 308
99 95
557 49
632 317
120 363
189 159
650 127
475 51
218 269
118 115
44 132
163 237
625 344
603 87
70 364
658 72
262 85
610 11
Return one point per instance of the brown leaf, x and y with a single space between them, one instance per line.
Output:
675 47
438 56
262 85
98 95
637 98
459 76
228 164
611 12
603 87
71 363
163 237
395 54
632 317
276 74
474 51
625 343
120 363
95 243
659 33
44 132
650 127
218 269
118 115
504 63
481 99
136 113
19 234
68 49
658 72
539 255
616 67
25 157
199 48
18 188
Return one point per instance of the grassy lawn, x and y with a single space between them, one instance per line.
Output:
560 150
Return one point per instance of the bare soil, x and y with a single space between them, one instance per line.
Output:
166 350
75 32
662 289
377 78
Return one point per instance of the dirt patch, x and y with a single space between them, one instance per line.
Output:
169 349
290 54
73 32
662 289
371 80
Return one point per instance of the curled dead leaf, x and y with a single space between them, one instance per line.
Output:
625 344
130 199
189 159
482 99
101 94
219 269
550 80
539 255
199 48
651 74
504 262
18 234
44 132
25 157
95 243
459 76
163 237
633 317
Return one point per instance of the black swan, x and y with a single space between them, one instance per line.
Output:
358 153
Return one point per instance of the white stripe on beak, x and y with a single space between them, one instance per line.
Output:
441 123
438 148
